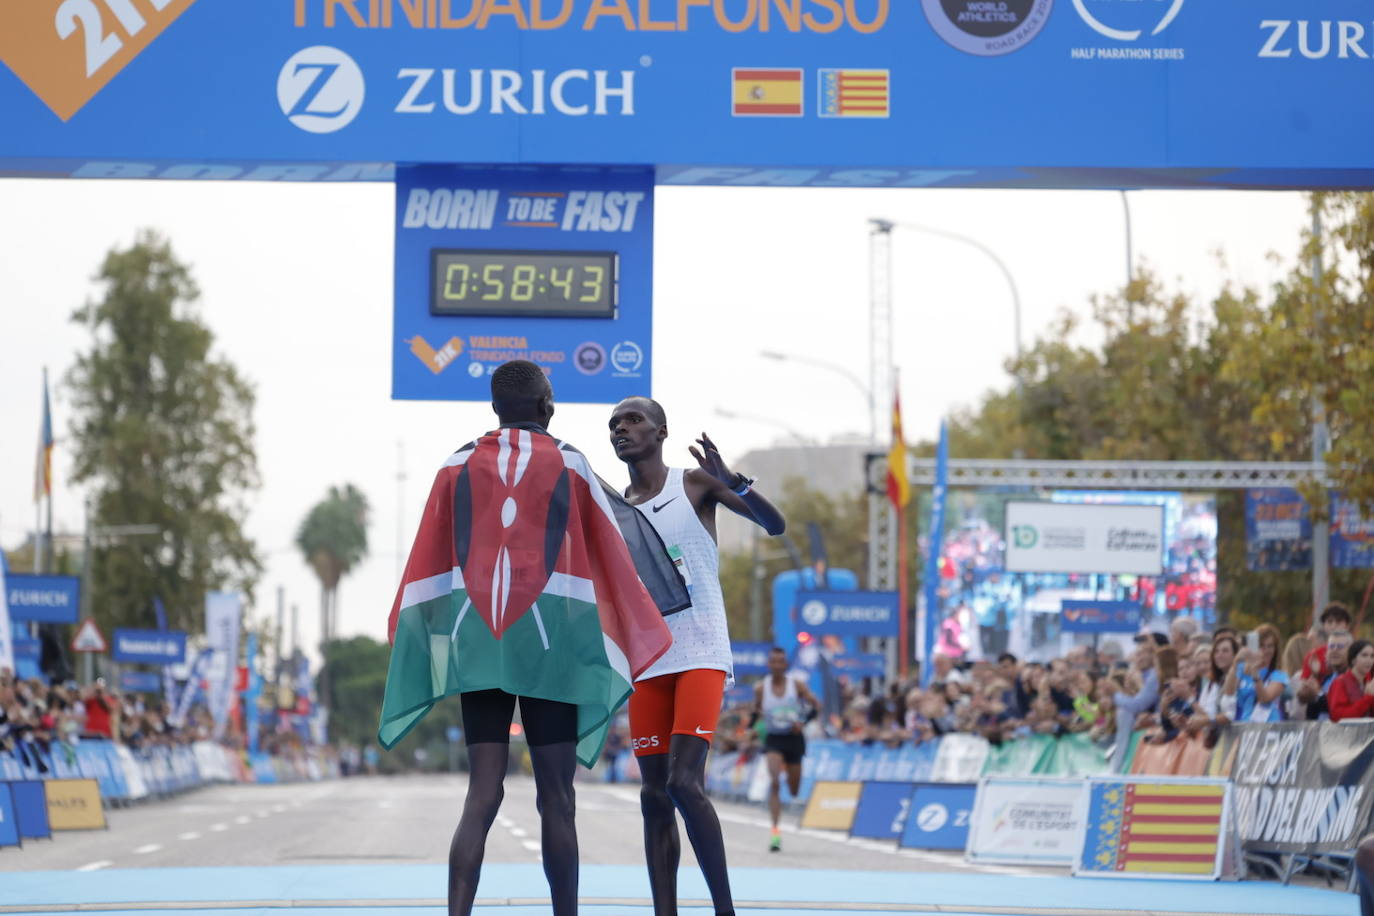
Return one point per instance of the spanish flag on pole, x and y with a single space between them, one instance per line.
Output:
898 485
42 478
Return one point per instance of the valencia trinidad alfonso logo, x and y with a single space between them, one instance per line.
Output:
66 51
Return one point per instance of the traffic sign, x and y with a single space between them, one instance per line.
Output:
88 638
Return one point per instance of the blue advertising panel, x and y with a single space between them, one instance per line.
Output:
1278 530
939 817
31 809
858 613
9 817
140 681
1352 536
882 810
753 92
43 599
551 265
857 665
751 658
150 647
1099 616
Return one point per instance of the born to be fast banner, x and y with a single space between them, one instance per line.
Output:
1302 787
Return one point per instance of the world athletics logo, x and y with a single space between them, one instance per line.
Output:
987 28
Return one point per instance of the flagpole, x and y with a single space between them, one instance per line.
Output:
904 625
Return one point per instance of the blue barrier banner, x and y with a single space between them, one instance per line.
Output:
882 810
859 613
1099 616
751 658
826 760
859 665
9 817
43 599
140 681
940 816
551 265
263 771
150 647
31 809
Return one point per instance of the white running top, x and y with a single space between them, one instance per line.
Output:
701 638
781 712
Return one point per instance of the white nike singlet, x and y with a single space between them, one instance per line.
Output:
701 638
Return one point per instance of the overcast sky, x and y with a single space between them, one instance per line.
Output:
296 283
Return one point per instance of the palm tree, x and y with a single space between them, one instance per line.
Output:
333 539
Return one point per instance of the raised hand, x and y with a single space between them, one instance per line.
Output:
710 461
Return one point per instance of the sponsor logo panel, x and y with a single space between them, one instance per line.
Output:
987 28
1128 30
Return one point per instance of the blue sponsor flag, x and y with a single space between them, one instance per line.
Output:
931 583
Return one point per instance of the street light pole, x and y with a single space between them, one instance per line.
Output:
1006 273
838 369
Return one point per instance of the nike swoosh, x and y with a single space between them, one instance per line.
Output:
662 505
699 731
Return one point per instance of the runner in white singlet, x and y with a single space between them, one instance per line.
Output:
785 704
676 703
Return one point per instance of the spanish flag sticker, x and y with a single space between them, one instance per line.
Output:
766 92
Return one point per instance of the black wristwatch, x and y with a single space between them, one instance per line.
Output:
741 484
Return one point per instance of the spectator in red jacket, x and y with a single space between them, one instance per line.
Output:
1335 617
1351 696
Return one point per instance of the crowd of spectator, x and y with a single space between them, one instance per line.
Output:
35 716
1183 682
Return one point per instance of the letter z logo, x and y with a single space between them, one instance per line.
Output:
320 89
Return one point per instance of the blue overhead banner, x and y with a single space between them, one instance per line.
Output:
553 265
151 647
1099 616
848 93
43 599
1278 530
848 613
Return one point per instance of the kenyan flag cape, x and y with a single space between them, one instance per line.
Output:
520 579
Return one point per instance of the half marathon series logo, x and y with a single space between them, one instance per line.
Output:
1132 24
987 27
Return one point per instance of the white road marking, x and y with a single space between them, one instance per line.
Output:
278 809
189 835
219 828
243 819
517 831
147 848
531 845
96 866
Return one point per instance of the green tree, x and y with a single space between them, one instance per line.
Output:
333 540
162 430
355 674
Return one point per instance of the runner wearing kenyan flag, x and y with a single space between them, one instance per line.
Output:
676 702
526 581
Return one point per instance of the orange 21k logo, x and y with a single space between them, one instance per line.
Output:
67 50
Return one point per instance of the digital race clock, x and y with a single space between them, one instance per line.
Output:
548 284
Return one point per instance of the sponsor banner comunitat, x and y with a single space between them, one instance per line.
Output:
832 805
74 804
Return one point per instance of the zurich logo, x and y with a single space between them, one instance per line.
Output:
320 89
813 613
1127 20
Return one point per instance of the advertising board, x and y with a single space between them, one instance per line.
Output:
1052 537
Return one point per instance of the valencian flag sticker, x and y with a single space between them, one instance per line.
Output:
523 579
766 92
1170 829
853 93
